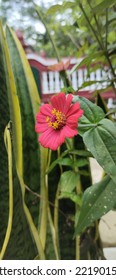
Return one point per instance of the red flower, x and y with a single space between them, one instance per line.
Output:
57 121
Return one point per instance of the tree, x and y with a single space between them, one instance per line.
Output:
66 22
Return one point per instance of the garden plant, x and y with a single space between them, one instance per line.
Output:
49 206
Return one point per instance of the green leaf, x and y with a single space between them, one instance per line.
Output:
68 4
89 83
61 161
111 111
80 162
54 9
84 172
60 7
65 161
68 181
82 153
104 5
24 246
29 103
97 201
72 196
101 141
86 61
92 114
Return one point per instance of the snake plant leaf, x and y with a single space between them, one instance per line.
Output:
34 156
14 109
29 104
21 244
4 119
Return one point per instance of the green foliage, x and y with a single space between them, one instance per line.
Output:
100 140
97 201
25 91
25 246
68 181
52 192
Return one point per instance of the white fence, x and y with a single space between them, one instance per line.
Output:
51 81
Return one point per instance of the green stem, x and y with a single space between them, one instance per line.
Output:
32 227
54 234
42 227
62 73
78 191
47 30
97 24
90 25
100 44
56 211
106 27
53 225
77 247
10 215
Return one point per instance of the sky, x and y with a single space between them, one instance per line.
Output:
14 16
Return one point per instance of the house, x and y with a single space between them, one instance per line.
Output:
47 72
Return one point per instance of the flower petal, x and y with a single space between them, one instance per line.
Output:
46 110
73 109
40 118
41 127
50 139
68 103
59 101
68 132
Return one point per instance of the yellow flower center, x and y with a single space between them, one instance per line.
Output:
58 119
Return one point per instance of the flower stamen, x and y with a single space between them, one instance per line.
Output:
58 119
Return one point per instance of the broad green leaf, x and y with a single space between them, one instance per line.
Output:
97 201
80 162
101 141
60 7
65 161
53 9
68 5
92 114
103 5
68 181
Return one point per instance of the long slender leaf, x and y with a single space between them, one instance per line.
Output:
24 247
34 168
8 145
29 101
